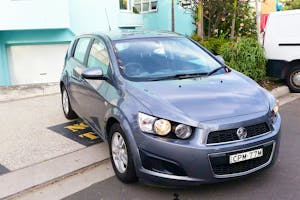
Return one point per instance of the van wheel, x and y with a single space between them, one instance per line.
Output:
293 79
65 100
121 158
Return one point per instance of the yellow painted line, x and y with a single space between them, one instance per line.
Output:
90 135
76 127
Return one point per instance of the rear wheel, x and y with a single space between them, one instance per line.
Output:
68 111
293 79
121 158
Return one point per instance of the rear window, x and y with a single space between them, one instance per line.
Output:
81 49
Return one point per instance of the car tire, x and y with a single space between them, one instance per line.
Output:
65 100
293 79
120 150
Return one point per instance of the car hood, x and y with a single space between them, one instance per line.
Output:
201 99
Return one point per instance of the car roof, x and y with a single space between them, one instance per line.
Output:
126 34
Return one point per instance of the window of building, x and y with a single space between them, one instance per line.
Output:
125 5
99 56
81 48
144 6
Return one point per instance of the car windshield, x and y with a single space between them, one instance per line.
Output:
162 58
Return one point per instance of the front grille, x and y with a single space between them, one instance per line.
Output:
221 166
230 135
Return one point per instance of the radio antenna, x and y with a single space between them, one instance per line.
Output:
109 28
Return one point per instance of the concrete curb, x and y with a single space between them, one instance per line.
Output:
280 92
16 182
12 93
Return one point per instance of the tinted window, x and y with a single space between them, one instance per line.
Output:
142 59
81 48
99 56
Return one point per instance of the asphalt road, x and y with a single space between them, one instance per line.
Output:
282 181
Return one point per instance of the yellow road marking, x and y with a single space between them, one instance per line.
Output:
76 127
90 135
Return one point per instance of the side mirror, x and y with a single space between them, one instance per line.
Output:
93 73
220 59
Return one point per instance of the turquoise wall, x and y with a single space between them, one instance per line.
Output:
161 20
27 37
97 15
96 19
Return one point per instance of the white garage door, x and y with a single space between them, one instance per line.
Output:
36 63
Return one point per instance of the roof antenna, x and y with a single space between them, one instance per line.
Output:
109 28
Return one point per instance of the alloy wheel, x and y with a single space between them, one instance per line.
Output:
119 152
65 102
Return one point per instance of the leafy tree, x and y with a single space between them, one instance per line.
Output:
291 4
233 18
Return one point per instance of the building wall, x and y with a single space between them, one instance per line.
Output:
31 22
161 20
97 15
33 14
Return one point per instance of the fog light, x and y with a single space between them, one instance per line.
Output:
183 131
162 127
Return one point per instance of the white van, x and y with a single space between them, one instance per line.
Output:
282 47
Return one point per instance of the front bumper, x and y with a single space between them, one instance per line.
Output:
197 160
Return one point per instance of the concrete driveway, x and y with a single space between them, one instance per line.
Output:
25 137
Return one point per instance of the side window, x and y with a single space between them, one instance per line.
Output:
81 48
99 56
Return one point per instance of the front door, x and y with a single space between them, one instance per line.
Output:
98 91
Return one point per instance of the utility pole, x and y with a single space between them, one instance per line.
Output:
233 19
172 14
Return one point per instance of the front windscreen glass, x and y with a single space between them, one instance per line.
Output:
159 58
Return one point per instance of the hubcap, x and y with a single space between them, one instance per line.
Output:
65 102
296 79
119 152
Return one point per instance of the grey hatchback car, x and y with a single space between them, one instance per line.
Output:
171 112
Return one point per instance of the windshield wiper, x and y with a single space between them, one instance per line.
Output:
179 76
217 69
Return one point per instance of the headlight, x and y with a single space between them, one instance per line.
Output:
274 111
163 127
276 107
183 131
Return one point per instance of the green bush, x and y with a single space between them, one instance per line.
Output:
246 56
215 44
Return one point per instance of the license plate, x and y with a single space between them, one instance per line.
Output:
239 157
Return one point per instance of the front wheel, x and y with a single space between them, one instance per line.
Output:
293 79
121 158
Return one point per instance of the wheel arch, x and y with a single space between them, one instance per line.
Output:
117 117
111 121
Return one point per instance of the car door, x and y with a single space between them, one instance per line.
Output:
77 86
100 92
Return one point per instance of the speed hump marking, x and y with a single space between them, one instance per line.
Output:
82 126
77 131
